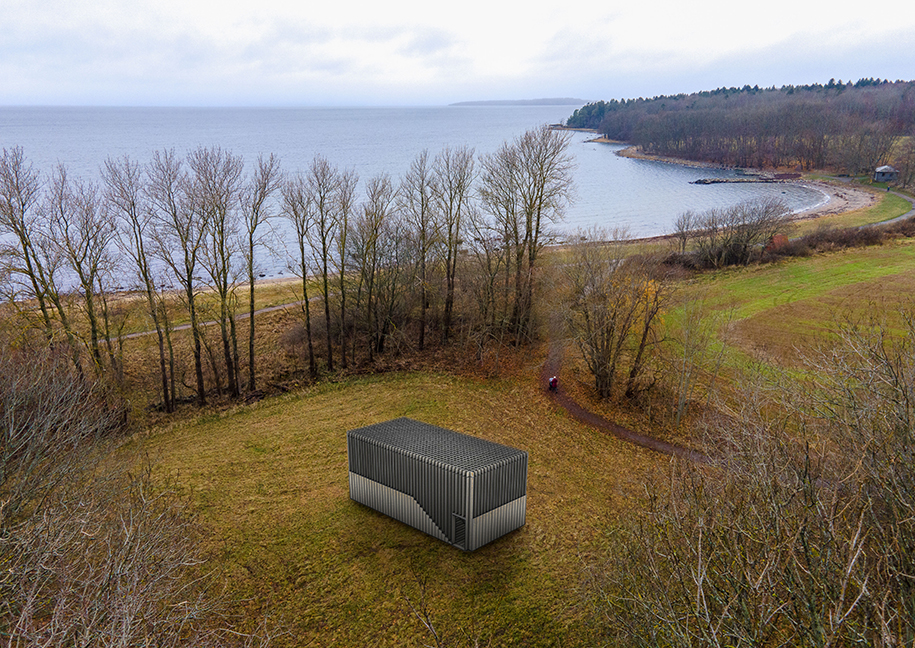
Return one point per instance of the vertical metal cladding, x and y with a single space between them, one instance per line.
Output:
461 489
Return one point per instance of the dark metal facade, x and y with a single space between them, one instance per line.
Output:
458 488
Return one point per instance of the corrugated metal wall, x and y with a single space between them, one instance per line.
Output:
499 484
439 490
467 508
497 522
392 503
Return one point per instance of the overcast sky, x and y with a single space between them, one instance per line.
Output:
412 52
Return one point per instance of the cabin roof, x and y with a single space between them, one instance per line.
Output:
436 444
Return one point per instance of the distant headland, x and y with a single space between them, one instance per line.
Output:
562 101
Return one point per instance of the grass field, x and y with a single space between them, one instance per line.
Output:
888 207
270 485
783 310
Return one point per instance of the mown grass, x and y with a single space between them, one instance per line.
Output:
756 288
781 311
888 206
269 482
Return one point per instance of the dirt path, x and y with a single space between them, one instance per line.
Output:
240 316
908 214
552 368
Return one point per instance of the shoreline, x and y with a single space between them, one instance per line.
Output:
838 197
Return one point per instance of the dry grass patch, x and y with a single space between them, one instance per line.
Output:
270 483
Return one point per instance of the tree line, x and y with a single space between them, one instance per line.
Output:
456 241
849 127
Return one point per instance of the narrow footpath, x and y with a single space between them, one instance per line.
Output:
240 316
908 214
552 368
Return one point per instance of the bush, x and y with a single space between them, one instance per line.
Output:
91 553
780 544
51 422
827 239
904 228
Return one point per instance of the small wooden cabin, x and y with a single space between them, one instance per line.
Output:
461 489
886 173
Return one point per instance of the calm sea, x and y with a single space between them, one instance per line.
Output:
611 191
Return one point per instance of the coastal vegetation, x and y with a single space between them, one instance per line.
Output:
158 486
851 128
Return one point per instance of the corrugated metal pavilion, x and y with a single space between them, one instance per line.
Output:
461 489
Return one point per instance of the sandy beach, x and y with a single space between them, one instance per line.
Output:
840 198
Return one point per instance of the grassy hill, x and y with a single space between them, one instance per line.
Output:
270 485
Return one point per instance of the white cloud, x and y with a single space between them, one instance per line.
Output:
273 51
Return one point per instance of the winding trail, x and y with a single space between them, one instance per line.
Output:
549 368
553 365
906 215
240 316
552 368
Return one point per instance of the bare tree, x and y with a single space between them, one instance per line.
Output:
693 340
730 236
612 306
766 550
655 293
125 187
417 197
20 193
59 206
684 228
486 279
346 209
180 234
97 549
489 259
454 173
864 397
297 207
264 182
803 534
862 147
499 196
215 186
398 255
905 161
50 417
545 189
83 232
323 186
370 257
527 185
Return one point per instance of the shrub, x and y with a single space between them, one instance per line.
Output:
93 552
780 544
